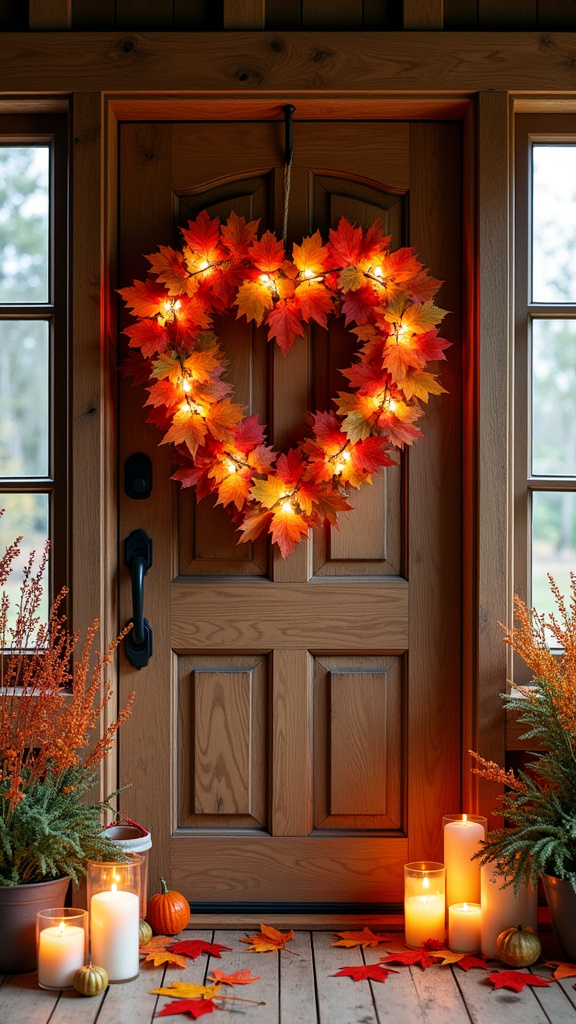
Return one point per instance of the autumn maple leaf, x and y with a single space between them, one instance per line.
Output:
195 1007
288 528
268 939
364 938
253 300
284 326
165 956
350 279
170 267
194 947
421 385
188 428
144 298
188 990
312 255
238 978
358 305
375 972
253 525
267 253
203 235
147 335
561 969
237 235
315 301
410 958
471 960
345 244
517 980
248 434
234 489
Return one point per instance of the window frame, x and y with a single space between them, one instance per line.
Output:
51 130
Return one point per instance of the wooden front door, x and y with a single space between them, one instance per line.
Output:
296 734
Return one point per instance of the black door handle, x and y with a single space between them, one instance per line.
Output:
138 558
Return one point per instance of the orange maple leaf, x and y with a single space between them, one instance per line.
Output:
254 525
237 234
253 299
267 254
144 298
156 942
287 528
284 325
238 978
164 956
171 270
235 489
269 491
311 255
364 938
269 939
315 301
561 969
188 428
222 417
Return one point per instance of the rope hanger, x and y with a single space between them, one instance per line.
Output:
288 109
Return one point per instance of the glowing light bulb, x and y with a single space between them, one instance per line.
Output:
204 265
308 273
264 279
378 272
168 307
340 466
345 456
287 506
392 405
402 330
231 467
186 386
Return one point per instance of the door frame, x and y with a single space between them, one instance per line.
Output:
96 121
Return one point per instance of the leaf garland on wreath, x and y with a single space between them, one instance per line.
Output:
387 296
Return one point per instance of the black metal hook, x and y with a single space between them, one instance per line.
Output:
288 109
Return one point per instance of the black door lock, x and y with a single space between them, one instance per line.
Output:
138 476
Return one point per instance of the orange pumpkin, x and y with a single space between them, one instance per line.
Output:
168 911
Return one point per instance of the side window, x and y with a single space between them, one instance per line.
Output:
545 392
33 340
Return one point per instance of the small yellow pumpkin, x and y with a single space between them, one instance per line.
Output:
168 911
519 946
90 980
144 933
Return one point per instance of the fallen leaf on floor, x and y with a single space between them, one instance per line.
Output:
375 972
196 1007
562 970
517 980
268 939
432 944
238 978
471 960
447 956
194 947
188 990
364 938
410 958
156 942
165 956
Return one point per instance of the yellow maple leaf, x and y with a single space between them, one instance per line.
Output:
188 990
268 939
311 255
447 956
421 385
253 300
364 938
350 279
238 978
422 318
164 956
269 491
235 488
187 427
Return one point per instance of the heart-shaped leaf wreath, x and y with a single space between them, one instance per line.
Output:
387 296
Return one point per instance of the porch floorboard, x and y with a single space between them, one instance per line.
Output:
302 989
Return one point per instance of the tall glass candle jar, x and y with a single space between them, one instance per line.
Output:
463 834
114 890
424 902
501 909
62 945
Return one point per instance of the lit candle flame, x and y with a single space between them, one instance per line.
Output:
62 927
114 887
465 908
464 817
425 882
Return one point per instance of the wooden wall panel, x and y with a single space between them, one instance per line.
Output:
514 14
331 14
93 14
245 15
359 774
197 14
222 731
423 15
149 15
52 15
556 15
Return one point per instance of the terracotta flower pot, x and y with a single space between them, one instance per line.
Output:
19 905
561 899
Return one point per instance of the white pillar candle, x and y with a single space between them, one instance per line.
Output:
114 933
501 909
464 927
462 839
61 952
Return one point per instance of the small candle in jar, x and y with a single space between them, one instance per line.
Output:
61 952
464 927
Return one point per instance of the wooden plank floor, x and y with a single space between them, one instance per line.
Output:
302 990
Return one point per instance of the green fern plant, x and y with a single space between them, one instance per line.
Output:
538 805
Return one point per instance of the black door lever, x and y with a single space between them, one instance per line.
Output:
138 558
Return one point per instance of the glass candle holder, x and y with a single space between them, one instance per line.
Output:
463 834
130 837
464 924
114 892
424 902
62 945
501 909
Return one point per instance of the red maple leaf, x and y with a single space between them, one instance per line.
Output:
470 960
373 971
315 301
194 947
433 944
144 298
289 467
517 980
345 244
203 234
148 336
196 1007
238 235
358 305
410 958
284 325
367 455
248 434
267 253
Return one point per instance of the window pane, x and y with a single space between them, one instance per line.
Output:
24 224
24 398
554 224
554 397
26 516
553 545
